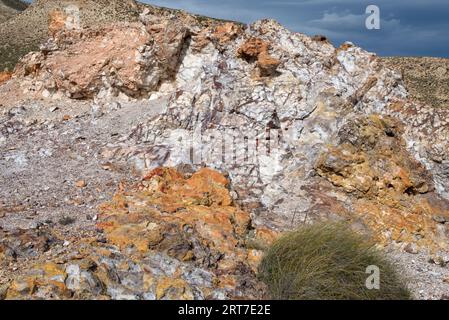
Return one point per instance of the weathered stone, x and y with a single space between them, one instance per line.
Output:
256 49
132 58
25 244
80 184
5 76
325 115
44 281
170 237
304 132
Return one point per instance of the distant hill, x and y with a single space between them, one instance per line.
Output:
25 31
426 79
9 8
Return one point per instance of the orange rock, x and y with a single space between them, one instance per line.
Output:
267 64
81 184
177 235
266 236
226 32
48 278
5 76
56 21
170 289
256 49
141 236
83 60
52 270
211 176
20 288
219 35
199 207
252 48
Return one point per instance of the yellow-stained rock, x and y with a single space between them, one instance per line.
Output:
21 288
169 237
390 190
173 289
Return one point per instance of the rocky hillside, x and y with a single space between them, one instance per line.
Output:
426 79
157 158
9 8
26 31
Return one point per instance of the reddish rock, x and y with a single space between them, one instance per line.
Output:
56 21
129 58
257 50
5 76
252 48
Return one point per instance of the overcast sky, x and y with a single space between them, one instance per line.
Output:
408 27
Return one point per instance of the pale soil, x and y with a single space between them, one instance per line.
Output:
426 280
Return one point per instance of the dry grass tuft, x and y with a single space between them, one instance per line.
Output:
327 262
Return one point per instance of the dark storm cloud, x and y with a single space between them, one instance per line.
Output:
408 27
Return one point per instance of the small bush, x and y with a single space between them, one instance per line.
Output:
65 221
327 262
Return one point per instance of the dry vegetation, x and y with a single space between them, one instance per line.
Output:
9 8
426 79
327 262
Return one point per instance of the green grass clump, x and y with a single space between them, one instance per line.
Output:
327 262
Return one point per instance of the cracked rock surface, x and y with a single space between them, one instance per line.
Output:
299 130
172 236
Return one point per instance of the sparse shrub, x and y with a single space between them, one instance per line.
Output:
65 221
327 262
